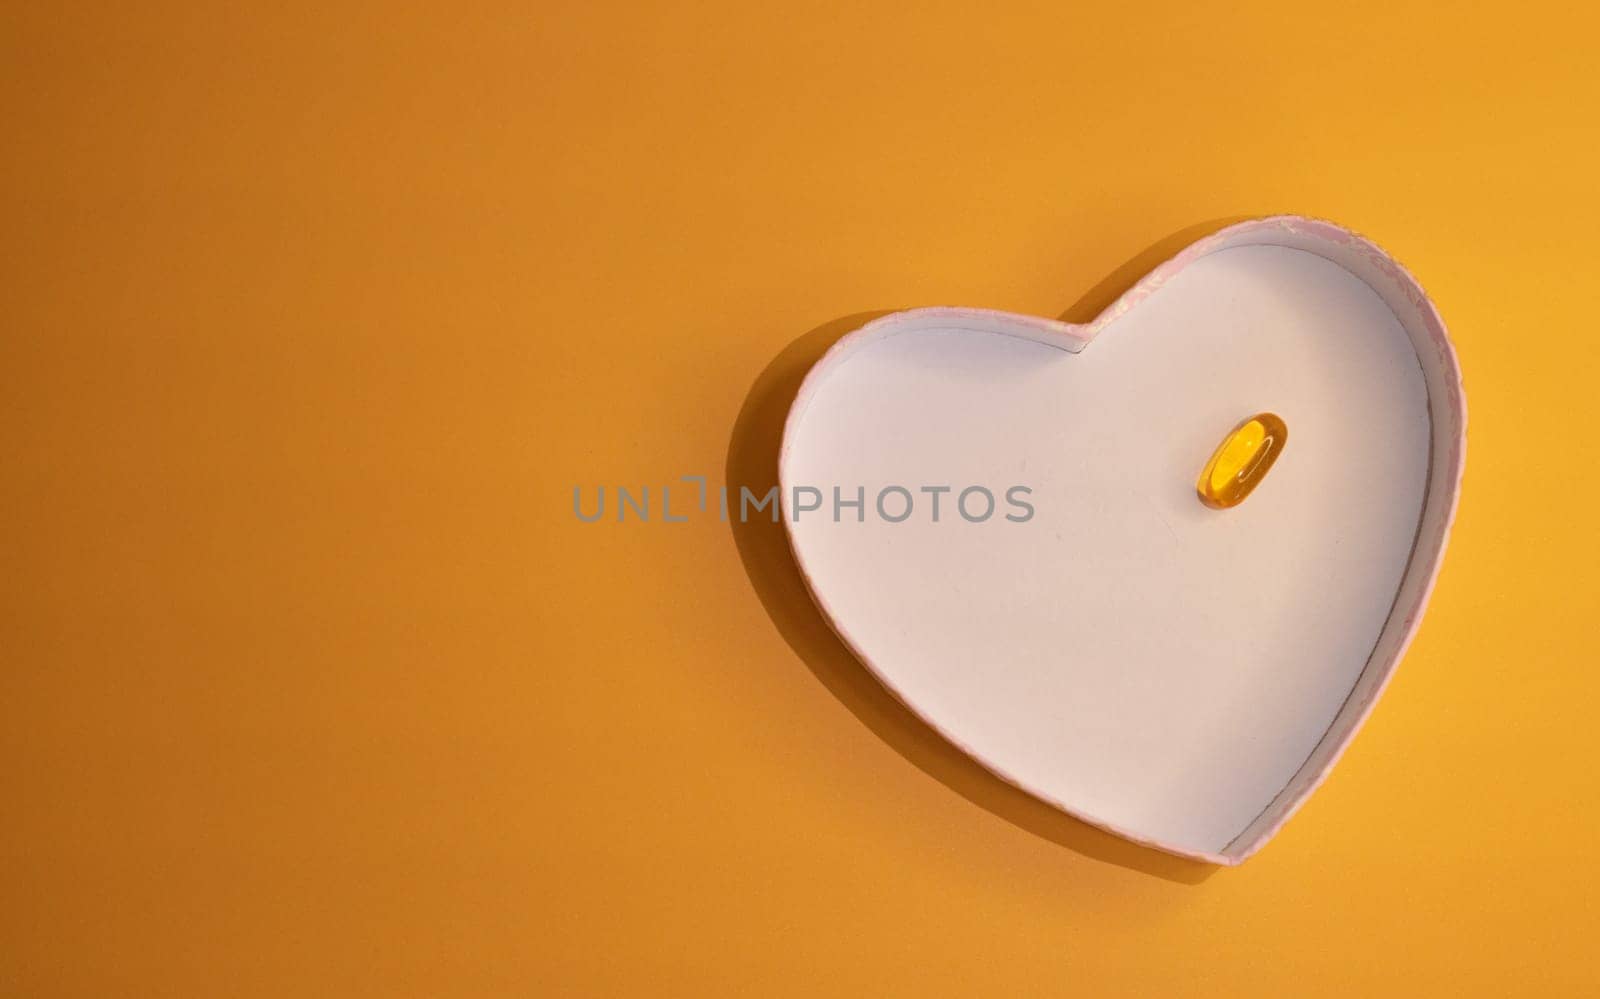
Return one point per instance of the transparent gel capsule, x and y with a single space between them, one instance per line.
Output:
1241 461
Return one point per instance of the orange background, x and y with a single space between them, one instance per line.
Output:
313 316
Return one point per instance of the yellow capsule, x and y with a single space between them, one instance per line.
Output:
1241 461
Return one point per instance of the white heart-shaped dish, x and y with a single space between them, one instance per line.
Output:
1181 676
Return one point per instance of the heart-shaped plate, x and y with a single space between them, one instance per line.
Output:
997 514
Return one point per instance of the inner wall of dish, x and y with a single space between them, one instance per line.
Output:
1125 652
1447 428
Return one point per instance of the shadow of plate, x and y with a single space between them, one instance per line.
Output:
764 549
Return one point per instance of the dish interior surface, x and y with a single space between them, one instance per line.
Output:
1127 653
